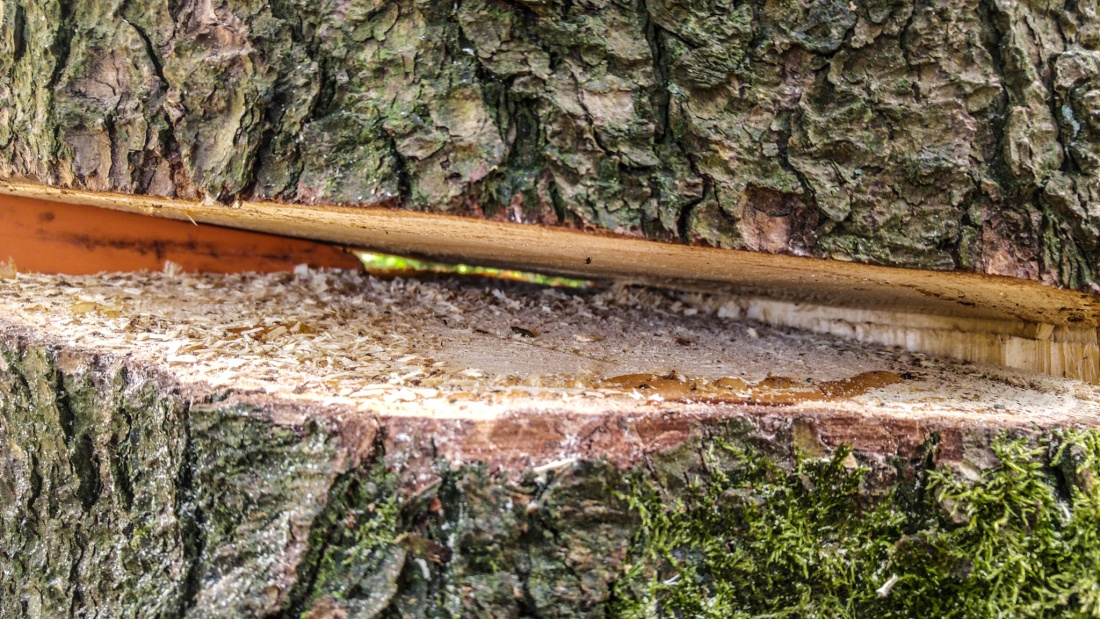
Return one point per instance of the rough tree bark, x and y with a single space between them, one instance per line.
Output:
142 476
928 134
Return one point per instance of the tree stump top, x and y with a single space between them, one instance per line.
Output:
506 372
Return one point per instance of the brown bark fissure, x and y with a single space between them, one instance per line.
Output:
918 133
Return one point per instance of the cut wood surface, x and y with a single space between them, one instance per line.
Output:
902 133
966 316
351 338
571 252
48 237
330 444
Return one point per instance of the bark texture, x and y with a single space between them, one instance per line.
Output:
935 134
124 495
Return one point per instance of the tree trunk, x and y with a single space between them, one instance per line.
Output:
295 446
329 445
949 136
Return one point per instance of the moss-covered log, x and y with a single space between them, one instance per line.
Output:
931 134
142 474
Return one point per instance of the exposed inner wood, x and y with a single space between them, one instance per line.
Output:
50 237
772 391
1069 351
972 317
591 254
483 350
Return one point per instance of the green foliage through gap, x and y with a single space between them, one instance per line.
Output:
386 264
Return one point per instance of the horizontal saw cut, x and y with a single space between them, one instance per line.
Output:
965 316
827 341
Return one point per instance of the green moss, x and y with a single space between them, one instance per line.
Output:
756 539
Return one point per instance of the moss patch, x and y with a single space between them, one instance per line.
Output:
754 538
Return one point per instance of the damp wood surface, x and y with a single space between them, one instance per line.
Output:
903 133
331 444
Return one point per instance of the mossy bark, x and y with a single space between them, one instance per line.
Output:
125 495
930 134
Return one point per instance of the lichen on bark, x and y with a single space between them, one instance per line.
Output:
929 134
92 515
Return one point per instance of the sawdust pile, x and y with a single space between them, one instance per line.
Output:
348 337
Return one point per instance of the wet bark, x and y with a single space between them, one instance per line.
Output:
936 135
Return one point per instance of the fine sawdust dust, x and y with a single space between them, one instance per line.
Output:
349 338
